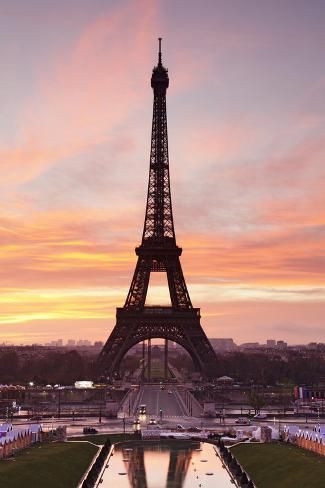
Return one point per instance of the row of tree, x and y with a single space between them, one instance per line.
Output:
54 367
68 366
264 369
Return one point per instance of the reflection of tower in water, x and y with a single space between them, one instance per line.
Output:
139 473
178 465
135 467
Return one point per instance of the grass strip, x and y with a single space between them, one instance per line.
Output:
281 465
55 465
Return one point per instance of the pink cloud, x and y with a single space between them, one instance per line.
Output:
91 88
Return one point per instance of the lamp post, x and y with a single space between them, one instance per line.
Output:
136 426
59 403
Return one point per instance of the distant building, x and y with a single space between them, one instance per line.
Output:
57 343
98 344
71 343
250 345
221 344
81 384
83 342
225 380
270 343
310 393
281 345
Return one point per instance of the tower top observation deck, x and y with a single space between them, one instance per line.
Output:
159 78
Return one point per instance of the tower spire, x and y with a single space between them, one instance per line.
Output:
159 53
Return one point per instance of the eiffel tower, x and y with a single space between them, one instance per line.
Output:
135 321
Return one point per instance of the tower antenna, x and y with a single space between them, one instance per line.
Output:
159 53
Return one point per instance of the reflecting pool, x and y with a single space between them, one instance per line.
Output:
172 464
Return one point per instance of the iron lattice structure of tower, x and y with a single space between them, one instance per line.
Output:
158 252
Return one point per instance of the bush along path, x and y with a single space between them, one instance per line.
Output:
96 469
234 468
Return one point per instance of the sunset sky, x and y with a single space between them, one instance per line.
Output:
246 121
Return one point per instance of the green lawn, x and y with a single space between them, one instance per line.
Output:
281 465
55 465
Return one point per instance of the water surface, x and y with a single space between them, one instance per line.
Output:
173 464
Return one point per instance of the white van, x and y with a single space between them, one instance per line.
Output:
260 416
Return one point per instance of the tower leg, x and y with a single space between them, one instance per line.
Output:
143 359
166 360
149 360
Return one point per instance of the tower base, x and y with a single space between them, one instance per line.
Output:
180 326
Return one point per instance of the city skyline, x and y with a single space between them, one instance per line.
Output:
246 134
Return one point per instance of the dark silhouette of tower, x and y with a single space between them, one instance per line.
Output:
179 461
158 252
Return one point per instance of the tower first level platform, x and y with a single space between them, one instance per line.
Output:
180 326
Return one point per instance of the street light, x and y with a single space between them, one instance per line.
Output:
52 427
136 426
59 403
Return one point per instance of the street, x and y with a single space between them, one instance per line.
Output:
155 399
166 406
117 425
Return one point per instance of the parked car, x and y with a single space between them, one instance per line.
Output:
243 421
152 422
260 416
214 435
194 429
36 418
180 427
90 430
170 392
